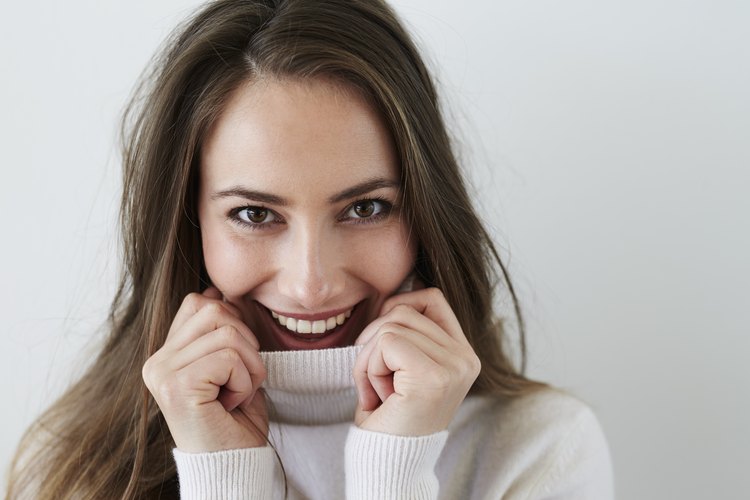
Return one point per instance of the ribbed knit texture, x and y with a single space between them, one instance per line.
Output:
311 386
244 474
316 387
383 467
544 445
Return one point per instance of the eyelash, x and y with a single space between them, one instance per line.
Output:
234 216
386 207
385 210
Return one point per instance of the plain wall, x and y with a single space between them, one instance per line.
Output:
608 143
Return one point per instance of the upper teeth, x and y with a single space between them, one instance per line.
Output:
307 326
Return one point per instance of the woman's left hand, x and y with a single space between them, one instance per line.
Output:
416 367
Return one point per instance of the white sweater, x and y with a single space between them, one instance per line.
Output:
546 445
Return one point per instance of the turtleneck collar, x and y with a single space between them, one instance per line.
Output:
311 387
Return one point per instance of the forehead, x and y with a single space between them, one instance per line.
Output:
292 135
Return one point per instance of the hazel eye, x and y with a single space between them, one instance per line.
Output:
256 215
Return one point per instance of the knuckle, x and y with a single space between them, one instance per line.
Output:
436 294
192 301
402 310
388 337
212 309
442 377
467 365
146 371
230 355
230 334
178 380
149 371
475 365
166 393
388 327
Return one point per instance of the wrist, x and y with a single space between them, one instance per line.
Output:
380 465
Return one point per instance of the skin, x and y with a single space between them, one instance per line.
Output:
284 230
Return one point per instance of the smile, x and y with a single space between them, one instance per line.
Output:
315 327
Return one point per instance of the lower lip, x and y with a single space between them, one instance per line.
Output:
338 337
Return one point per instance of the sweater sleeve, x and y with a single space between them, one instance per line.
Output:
580 467
383 466
230 474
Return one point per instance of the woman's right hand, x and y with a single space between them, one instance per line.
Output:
206 378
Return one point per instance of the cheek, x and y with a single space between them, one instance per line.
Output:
233 265
385 261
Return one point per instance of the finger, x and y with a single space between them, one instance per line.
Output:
242 391
380 376
432 303
368 396
409 317
374 387
194 302
212 316
249 407
224 337
436 350
214 293
203 379
394 356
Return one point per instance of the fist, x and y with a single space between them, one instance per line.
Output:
416 367
206 378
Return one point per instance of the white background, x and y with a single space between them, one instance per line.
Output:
609 146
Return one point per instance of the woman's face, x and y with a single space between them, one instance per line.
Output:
299 213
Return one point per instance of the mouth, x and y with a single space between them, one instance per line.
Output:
313 331
312 328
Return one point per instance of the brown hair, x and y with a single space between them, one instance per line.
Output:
105 437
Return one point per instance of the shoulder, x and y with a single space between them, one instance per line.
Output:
545 442
548 412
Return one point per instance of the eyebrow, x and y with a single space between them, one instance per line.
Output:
272 199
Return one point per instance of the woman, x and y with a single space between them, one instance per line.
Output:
307 293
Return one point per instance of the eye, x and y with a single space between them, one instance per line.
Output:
368 210
364 209
255 215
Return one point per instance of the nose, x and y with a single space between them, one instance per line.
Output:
311 267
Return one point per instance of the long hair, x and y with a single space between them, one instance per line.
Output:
105 437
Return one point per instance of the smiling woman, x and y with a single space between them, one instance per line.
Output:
299 212
307 289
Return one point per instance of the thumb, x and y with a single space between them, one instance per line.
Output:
255 404
360 415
